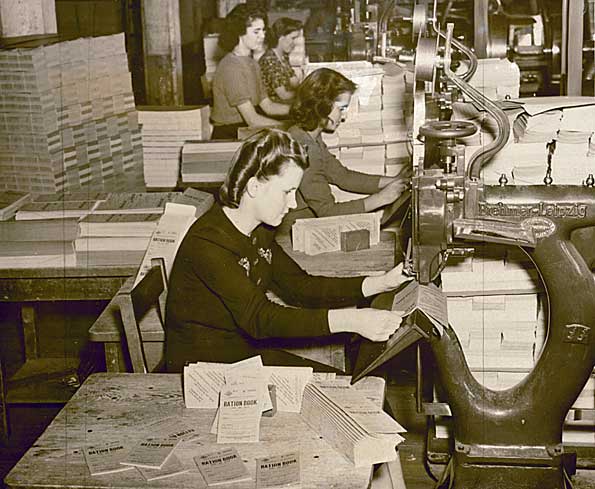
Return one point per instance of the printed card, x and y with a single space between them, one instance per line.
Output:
278 471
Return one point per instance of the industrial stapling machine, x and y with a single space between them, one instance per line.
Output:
509 438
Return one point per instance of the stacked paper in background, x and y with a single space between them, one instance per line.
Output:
60 206
498 309
573 157
68 118
373 137
497 79
213 54
11 201
397 107
100 242
523 161
164 131
207 161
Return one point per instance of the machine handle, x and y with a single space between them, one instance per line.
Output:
447 129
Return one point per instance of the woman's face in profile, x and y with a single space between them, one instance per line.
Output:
276 195
340 106
254 37
287 43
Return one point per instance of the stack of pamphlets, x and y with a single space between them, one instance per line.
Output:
351 423
323 234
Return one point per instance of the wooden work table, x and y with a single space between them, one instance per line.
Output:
118 406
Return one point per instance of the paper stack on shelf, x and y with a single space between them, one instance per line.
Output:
69 120
44 243
120 228
164 131
496 332
61 206
540 128
207 161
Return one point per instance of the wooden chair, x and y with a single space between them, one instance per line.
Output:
134 303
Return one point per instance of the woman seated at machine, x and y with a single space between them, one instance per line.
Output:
217 307
321 99
279 77
238 89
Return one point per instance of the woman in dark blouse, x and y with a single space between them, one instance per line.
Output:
217 308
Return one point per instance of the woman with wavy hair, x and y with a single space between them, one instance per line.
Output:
278 75
217 306
238 89
320 102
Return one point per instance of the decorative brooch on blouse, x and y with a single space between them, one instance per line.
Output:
245 263
266 254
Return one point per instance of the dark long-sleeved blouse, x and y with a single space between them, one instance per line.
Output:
217 309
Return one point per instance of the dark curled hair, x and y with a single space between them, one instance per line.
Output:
314 97
282 27
236 22
262 155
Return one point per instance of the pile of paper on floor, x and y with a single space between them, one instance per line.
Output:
351 423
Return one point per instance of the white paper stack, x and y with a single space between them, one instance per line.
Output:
164 131
68 118
207 161
353 425
497 79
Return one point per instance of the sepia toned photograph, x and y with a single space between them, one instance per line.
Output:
314 244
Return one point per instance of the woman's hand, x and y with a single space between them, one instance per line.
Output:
387 194
393 190
383 283
374 324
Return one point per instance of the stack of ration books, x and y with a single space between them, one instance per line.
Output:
344 415
164 131
323 234
152 453
68 118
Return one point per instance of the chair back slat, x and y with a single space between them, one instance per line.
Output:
134 304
